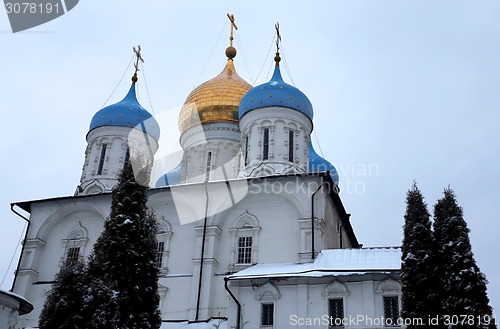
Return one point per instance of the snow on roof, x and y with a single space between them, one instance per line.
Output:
212 324
24 305
331 262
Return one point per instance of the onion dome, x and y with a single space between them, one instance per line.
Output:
173 177
216 100
127 113
319 164
276 92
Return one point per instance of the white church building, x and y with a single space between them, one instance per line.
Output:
252 229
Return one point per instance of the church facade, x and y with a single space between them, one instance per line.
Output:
251 225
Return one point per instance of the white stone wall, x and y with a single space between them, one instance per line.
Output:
303 302
117 140
276 211
222 140
55 225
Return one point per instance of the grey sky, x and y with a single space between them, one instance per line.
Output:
404 89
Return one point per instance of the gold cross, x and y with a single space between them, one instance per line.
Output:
278 37
137 59
233 25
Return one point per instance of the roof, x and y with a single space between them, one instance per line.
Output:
276 92
216 100
330 262
319 164
127 113
25 307
214 323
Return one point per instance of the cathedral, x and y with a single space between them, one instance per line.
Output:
252 231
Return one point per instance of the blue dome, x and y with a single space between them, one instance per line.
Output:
173 177
275 93
319 164
127 113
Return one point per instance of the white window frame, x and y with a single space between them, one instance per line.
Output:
342 301
77 238
246 225
335 290
389 288
398 299
273 317
163 234
267 294
242 257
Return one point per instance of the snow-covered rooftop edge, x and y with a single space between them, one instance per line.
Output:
212 324
330 262
24 305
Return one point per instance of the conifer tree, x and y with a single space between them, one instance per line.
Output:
464 284
63 304
122 273
419 295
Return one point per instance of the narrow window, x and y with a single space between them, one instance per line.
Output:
245 250
265 154
391 310
102 158
267 315
160 249
246 150
290 146
336 312
209 165
73 254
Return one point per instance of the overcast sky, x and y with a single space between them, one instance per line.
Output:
401 90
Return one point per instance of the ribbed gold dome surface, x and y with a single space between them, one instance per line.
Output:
216 100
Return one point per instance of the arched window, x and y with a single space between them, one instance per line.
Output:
208 166
74 245
335 294
291 145
267 295
246 150
265 143
102 157
245 234
390 292
163 236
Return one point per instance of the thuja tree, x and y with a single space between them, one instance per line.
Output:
464 284
122 273
64 302
419 290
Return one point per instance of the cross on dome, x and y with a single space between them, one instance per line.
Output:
138 57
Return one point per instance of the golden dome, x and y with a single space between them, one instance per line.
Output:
216 100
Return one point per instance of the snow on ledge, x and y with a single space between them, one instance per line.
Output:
212 324
25 306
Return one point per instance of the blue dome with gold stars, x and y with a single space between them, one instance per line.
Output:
319 164
276 92
127 113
